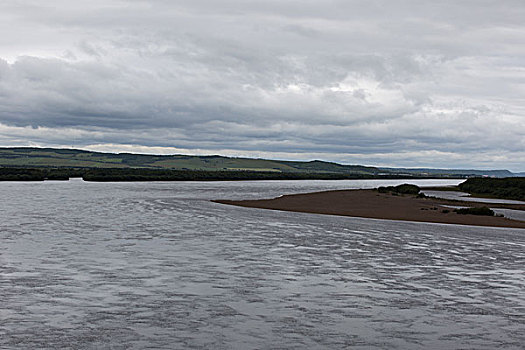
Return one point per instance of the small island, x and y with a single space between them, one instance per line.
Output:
404 202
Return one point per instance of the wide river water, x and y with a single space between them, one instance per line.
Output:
158 266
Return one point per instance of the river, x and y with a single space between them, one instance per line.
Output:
157 265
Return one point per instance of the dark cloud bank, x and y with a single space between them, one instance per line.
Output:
404 83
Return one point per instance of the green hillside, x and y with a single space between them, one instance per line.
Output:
54 163
71 158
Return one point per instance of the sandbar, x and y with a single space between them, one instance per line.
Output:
375 205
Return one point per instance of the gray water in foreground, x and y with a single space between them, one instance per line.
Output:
158 266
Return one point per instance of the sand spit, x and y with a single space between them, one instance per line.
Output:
371 204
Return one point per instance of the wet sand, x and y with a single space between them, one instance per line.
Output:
372 204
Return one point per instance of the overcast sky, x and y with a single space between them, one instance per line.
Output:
392 83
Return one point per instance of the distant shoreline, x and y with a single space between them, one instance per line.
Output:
374 205
142 174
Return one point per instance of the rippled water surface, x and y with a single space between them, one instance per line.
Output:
157 265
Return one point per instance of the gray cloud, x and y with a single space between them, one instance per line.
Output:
415 83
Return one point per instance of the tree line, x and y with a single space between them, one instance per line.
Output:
508 188
144 174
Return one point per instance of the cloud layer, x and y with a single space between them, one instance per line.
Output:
404 83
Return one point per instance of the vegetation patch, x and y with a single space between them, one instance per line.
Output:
134 174
507 188
400 189
485 211
37 174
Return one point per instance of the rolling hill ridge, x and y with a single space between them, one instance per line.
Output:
57 158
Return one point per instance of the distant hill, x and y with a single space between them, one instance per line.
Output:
72 158
31 157
451 172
